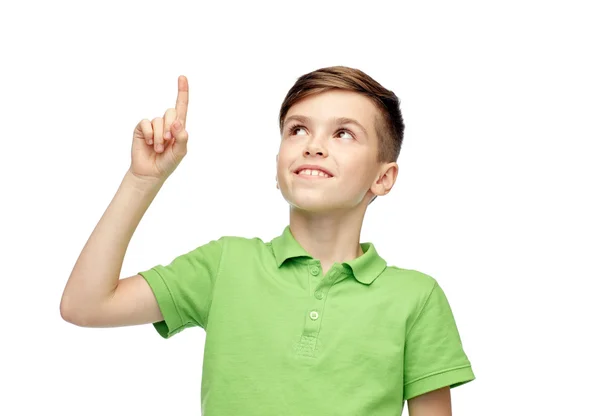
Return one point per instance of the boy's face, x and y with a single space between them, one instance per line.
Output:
344 150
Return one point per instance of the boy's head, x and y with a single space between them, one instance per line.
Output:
362 163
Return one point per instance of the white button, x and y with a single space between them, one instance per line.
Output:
314 315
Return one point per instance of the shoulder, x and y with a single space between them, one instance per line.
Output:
239 245
217 247
413 288
411 280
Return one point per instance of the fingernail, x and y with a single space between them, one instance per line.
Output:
168 135
159 147
177 125
149 141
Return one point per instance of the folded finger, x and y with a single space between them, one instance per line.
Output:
169 118
180 136
146 128
157 126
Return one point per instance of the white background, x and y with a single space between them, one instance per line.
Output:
497 193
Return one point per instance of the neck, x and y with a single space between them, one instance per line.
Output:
331 237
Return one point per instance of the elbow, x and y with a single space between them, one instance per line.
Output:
69 314
74 318
66 314
85 317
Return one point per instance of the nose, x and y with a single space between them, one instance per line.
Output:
315 146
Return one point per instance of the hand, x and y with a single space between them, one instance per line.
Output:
159 146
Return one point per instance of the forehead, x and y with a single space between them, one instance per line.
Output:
337 103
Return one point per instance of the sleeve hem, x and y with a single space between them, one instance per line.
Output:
452 378
172 322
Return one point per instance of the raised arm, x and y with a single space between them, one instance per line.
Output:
94 296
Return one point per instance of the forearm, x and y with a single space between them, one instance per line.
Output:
97 270
435 403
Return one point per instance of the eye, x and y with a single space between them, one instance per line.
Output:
295 127
346 131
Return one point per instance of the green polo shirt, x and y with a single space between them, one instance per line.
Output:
284 339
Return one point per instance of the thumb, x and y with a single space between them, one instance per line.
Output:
180 136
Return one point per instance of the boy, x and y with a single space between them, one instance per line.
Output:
312 322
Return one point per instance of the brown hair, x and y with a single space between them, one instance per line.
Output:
389 127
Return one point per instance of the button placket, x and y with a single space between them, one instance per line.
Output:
315 307
318 292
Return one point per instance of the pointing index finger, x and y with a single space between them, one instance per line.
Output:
181 105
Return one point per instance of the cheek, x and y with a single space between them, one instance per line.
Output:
282 168
284 161
360 175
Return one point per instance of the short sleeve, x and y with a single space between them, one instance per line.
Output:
183 289
434 355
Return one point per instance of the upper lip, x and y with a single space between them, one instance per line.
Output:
313 167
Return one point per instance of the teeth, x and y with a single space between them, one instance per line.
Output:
311 172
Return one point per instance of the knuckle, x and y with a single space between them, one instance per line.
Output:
142 123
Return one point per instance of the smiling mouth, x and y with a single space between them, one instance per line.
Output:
313 174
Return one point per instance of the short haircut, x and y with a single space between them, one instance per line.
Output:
389 126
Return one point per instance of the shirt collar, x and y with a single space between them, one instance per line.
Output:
365 268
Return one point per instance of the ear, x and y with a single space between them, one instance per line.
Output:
386 179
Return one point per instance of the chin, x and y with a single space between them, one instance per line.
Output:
316 200
313 204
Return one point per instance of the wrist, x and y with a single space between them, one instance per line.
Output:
143 183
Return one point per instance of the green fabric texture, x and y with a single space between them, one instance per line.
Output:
284 339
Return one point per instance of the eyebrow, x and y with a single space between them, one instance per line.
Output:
337 120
